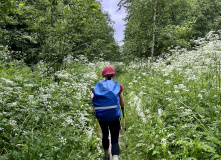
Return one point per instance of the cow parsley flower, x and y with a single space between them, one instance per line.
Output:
164 141
200 96
13 122
160 111
69 120
63 140
176 92
167 82
169 135
12 104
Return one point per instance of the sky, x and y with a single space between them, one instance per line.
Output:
117 16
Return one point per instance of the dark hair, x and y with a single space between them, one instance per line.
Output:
109 76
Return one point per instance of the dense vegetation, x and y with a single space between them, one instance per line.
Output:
175 112
178 23
50 30
52 52
172 114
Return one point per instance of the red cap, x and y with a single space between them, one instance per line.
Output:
108 70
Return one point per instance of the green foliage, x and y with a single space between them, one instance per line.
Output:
175 112
40 119
52 30
7 6
178 23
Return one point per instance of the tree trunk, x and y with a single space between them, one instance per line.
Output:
153 42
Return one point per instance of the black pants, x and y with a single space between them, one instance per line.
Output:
114 127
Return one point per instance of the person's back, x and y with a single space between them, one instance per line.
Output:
106 100
107 97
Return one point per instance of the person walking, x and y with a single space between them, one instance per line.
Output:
107 98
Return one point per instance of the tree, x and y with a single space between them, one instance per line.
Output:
6 6
48 30
178 24
154 28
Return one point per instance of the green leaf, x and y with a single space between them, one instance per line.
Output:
155 152
207 148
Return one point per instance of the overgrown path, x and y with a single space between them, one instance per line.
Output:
172 114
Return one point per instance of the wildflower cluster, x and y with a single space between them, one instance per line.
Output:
174 109
39 113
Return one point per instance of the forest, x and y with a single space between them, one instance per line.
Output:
52 52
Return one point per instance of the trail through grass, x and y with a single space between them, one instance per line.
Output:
173 113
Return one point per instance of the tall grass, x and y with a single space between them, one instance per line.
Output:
173 113
43 119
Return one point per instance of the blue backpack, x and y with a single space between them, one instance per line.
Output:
106 100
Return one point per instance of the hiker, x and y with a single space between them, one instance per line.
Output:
107 97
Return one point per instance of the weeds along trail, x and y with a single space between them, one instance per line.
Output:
174 113
44 119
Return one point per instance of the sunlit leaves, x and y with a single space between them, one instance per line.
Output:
178 23
50 29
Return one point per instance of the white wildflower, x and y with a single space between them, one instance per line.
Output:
168 92
142 93
13 122
188 110
54 118
31 96
164 141
8 81
63 140
141 114
160 111
25 133
149 116
181 86
147 111
37 118
167 82
200 96
45 96
176 91
169 99
169 135
29 85
69 120
12 104
191 118
56 148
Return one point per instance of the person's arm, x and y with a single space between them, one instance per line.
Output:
121 99
92 96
